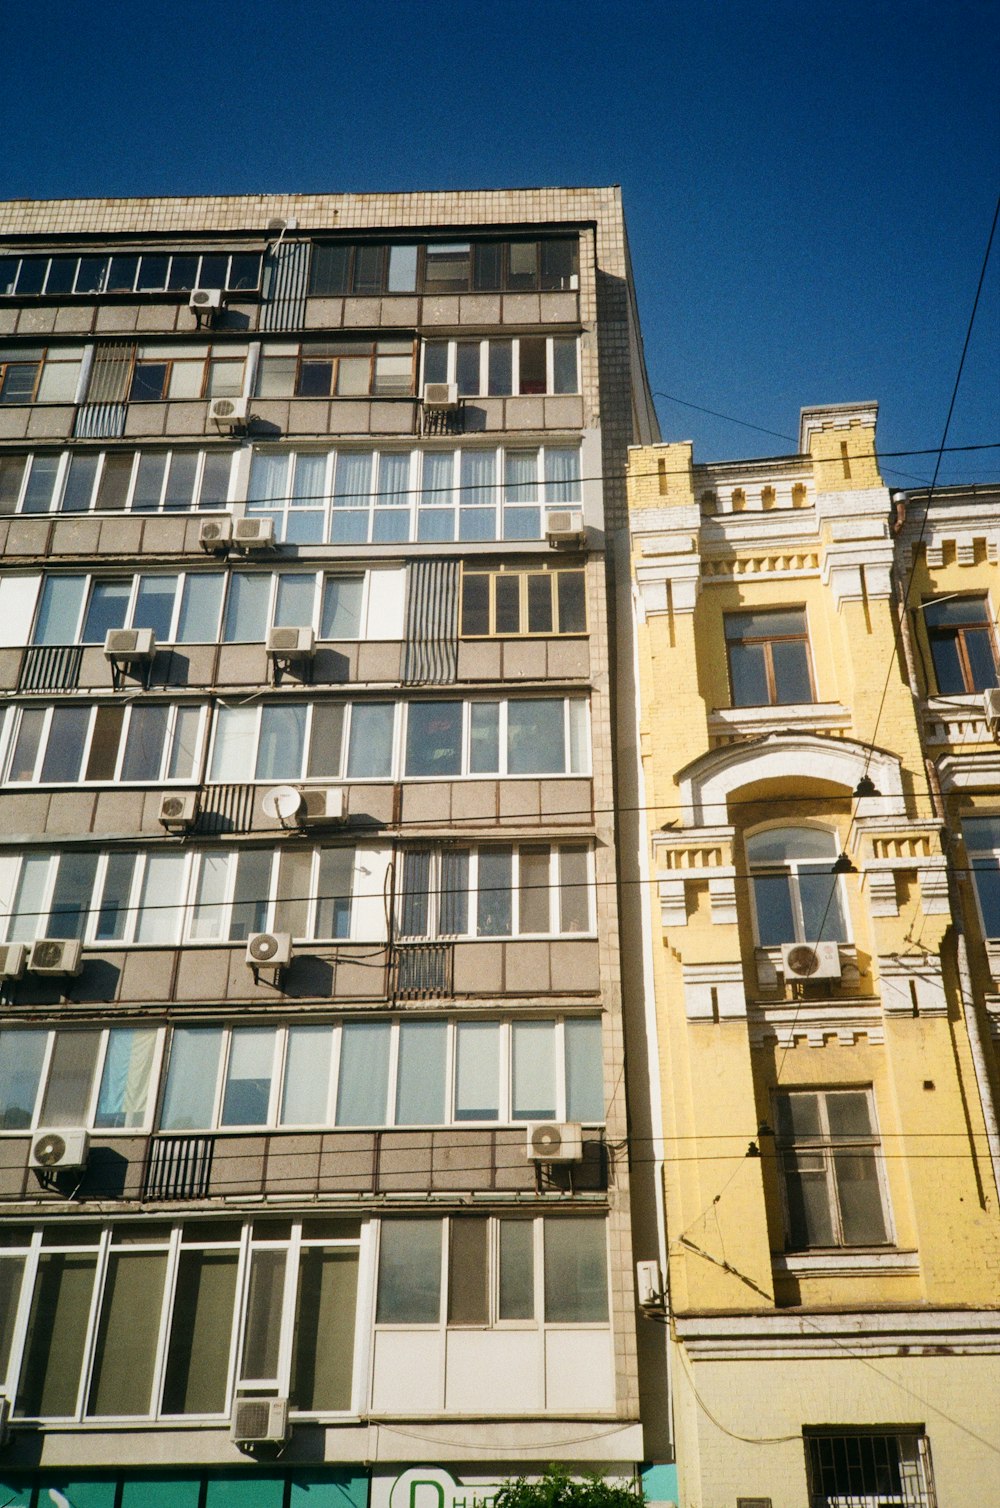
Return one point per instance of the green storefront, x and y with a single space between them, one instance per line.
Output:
255 1487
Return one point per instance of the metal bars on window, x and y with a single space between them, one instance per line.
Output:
431 622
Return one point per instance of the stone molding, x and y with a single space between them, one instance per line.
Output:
714 991
840 1335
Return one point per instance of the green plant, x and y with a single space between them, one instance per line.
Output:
557 1489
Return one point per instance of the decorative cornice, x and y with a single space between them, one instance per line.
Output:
970 772
840 1336
714 991
813 1023
814 420
879 1262
912 984
809 717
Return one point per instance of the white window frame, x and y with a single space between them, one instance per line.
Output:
95 1089
473 851
790 869
484 363
10 724
825 1145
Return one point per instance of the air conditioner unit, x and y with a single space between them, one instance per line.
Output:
259 1421
12 956
54 1150
648 1284
440 395
215 533
555 1141
291 643
129 644
253 533
811 960
204 300
321 804
229 411
564 526
179 810
269 950
55 955
991 707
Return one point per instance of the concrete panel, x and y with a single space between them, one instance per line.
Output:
23 812
479 659
163 536
575 966
361 313
478 968
36 321
479 309
292 1165
404 1161
579 1371
115 318
75 319
71 812
370 804
14 422
568 659
238 1165
51 423
566 801
192 666
513 1169
398 418
114 1168
309 416
519 800
120 535
13 1166
188 419
485 414
426 803
494 1371
202 974
147 974
521 309
75 536
526 968
564 412
524 413
462 1159
242 664
348 417
361 979
8 321
145 419
524 659
440 311
403 313
334 667
10 668
347 1162
559 308
408 1372
121 811
271 416
28 536
382 661
474 801
95 670
157 317
324 313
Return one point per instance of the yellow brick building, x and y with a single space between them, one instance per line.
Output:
830 1156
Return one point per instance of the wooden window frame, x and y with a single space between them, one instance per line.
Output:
956 633
767 641
523 573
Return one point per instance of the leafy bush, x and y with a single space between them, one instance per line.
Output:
557 1489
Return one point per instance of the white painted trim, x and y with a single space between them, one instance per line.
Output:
839 1336
883 1262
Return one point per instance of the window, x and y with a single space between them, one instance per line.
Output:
523 602
496 891
828 1150
180 607
336 369
442 266
150 272
526 364
497 1270
867 1469
388 497
39 374
355 605
960 630
148 742
982 843
768 658
125 897
112 481
77 1077
139 1321
357 740
179 371
796 895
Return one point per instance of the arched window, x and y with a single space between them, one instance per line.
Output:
796 896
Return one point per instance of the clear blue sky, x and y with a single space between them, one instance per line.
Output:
809 187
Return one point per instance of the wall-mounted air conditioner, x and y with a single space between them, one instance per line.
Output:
12 960
178 810
321 804
215 533
991 708
130 646
253 533
228 412
811 960
58 1149
555 1141
442 395
55 955
269 950
259 1421
291 643
564 526
206 300
648 1285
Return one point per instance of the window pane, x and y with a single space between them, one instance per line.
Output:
326 740
103 757
116 474
576 1279
127 1336
26 917
748 675
113 913
517 1270
849 1114
294 599
475 603
453 905
540 586
341 615
982 665
364 1073
79 484
477 1071
57 1333
986 874
534 890
402 269
262 1334
21 1058
184 743
493 915
447 265
370 752
64 749
565 379
862 1219
773 904
507 604
467 367
11 475
246 609
145 742
790 659
415 893
248 1076
558 264
181 479
306 1089
536 738
281 748
328 274
323 1350
572 606
183 271
468 1271
107 609
822 912
24 755
368 262
160 913
809 1219
574 890
251 894
11 1274
501 379
189 1096
434 738
59 381
59 611
153 273
72 895
336 882
292 908
420 1081
209 896
125 1080
584 1070
533 1070
409 1273
532 365
484 738
149 482
235 741
200 1333
522 265
215 480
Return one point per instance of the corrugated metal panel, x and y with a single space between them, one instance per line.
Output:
100 421
227 809
286 273
431 622
50 667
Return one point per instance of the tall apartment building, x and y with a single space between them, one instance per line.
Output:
820 776
313 1145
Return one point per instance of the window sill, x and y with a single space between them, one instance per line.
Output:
809 717
847 1262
